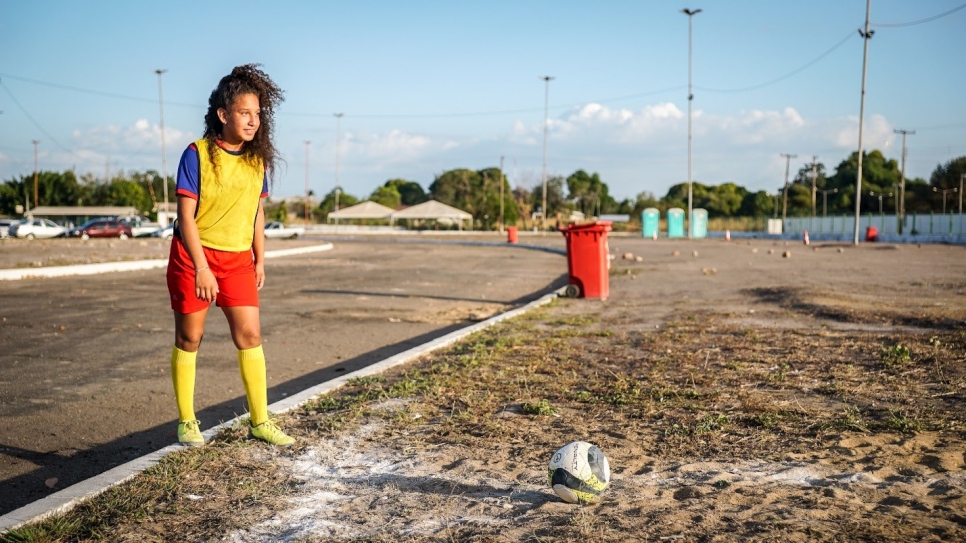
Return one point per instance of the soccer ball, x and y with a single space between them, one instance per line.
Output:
579 472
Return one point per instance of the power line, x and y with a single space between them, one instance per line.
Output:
789 74
920 21
35 123
96 92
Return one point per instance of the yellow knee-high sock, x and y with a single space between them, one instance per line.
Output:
183 378
251 363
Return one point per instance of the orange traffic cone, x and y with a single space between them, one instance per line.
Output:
805 237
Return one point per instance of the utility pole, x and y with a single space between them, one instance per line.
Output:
307 143
866 36
814 181
902 183
546 114
788 160
962 177
338 152
36 185
164 160
690 13
503 182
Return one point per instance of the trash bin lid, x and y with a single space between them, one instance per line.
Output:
596 226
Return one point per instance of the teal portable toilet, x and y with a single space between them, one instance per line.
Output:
699 223
650 222
675 222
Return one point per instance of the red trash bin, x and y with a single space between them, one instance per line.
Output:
871 233
511 234
588 259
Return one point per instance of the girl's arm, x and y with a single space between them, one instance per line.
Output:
258 245
206 287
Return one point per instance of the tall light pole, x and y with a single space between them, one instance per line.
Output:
880 195
546 119
902 188
307 143
36 184
502 182
866 36
164 159
945 192
814 181
962 177
338 153
825 200
690 13
788 160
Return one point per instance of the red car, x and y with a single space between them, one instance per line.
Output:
102 228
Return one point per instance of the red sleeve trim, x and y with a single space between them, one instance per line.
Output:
187 193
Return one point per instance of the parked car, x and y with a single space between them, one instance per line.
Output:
164 233
36 228
140 226
277 230
5 225
102 228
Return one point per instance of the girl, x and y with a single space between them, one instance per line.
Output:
218 251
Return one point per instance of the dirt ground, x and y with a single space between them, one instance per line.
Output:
84 364
739 395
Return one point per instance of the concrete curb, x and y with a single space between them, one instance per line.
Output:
65 500
110 267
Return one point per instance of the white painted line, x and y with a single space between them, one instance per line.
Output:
110 267
70 497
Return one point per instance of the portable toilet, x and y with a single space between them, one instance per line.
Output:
650 222
699 223
675 222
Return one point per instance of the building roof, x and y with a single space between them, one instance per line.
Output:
365 210
432 210
82 211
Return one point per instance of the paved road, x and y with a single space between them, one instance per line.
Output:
84 376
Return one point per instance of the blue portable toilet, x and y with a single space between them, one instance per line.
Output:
650 222
675 222
699 223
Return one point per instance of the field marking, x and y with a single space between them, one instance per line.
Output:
133 265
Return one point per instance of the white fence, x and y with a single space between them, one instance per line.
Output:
914 225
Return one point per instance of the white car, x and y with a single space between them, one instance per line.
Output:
166 232
277 230
5 225
140 226
36 228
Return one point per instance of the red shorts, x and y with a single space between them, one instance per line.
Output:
235 273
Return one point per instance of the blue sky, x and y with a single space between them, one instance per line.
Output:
428 86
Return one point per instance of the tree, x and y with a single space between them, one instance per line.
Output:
477 193
386 195
556 203
589 194
410 192
327 205
947 176
879 175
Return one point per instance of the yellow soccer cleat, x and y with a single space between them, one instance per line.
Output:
189 433
271 434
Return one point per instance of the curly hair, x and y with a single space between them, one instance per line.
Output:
247 79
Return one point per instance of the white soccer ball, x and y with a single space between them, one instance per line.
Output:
579 472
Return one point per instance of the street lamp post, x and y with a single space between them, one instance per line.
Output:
164 159
962 177
945 191
546 114
307 143
880 195
338 152
866 36
825 199
690 13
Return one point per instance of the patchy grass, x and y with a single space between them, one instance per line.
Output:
695 390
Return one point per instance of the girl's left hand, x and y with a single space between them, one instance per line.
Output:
260 275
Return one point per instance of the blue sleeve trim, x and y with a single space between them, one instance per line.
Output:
189 172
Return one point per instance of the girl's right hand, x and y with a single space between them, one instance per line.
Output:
206 286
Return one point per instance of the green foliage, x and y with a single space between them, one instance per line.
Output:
327 205
410 192
589 194
895 356
541 407
386 195
477 193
